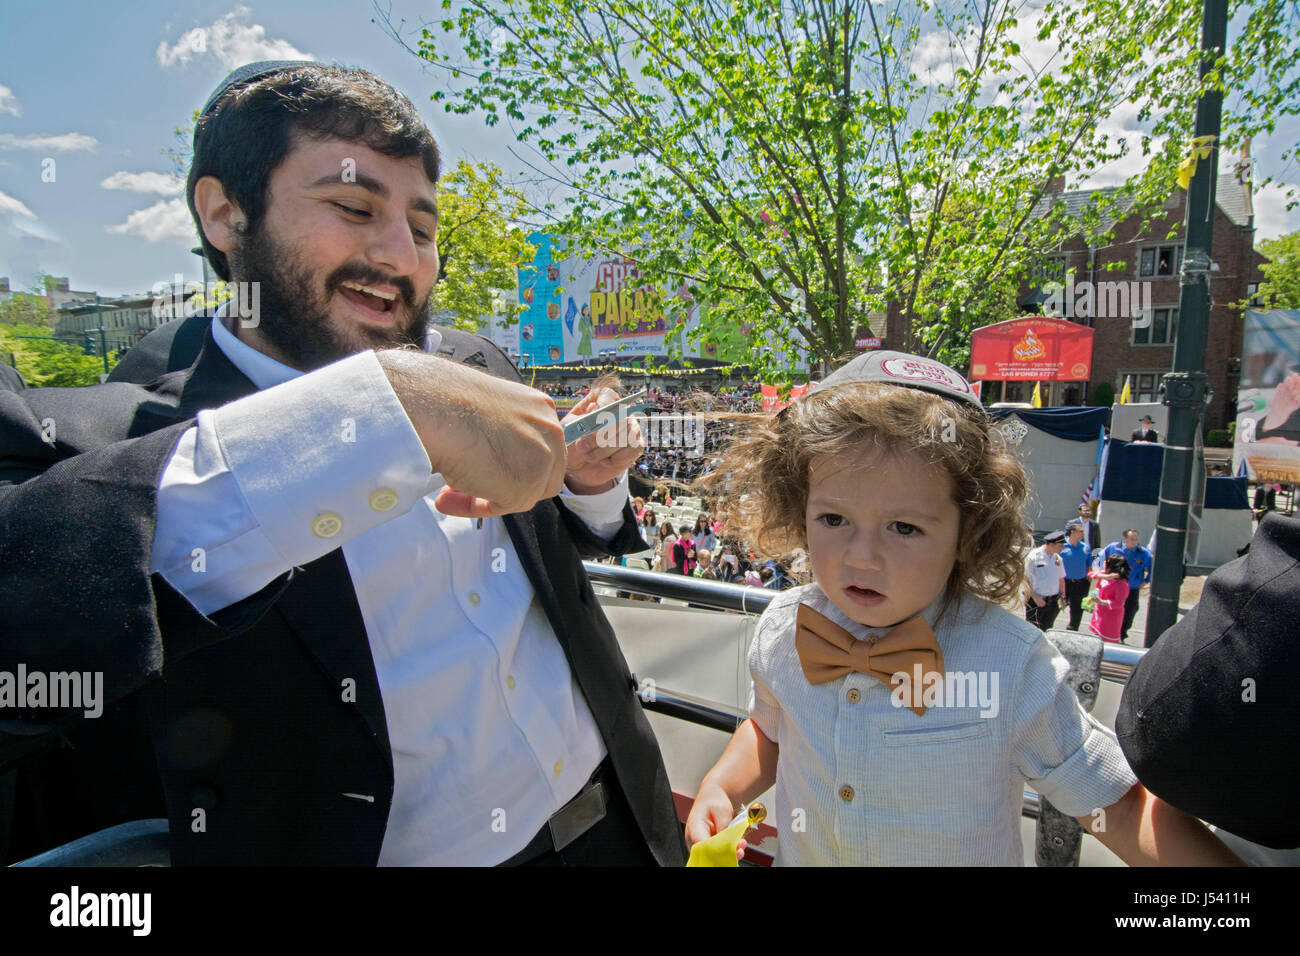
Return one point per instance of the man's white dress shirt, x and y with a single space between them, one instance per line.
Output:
490 734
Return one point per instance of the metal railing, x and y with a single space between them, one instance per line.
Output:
1117 660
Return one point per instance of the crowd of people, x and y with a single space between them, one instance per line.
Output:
704 550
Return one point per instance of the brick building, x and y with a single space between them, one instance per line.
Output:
1148 265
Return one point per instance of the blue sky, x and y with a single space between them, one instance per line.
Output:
97 88
89 80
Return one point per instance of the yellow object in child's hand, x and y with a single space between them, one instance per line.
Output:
722 849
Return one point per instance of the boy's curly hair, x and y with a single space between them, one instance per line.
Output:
762 477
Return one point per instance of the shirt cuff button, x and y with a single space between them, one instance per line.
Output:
383 499
327 524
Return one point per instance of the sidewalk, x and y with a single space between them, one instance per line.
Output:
1188 596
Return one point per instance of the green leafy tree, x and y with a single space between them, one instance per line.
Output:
48 362
804 164
480 246
1281 286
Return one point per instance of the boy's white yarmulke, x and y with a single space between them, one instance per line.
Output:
899 368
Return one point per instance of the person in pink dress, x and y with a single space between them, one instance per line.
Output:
1112 592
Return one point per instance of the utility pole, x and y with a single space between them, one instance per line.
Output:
1186 390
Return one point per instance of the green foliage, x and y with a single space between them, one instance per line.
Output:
480 246
1218 438
1281 286
1104 395
799 168
46 362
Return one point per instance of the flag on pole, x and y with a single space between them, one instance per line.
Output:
1126 395
1038 398
1093 490
1102 460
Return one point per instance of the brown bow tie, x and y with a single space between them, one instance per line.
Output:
827 651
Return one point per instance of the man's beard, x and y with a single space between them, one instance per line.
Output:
296 321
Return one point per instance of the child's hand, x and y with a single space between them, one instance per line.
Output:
711 813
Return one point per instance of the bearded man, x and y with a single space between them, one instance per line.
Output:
333 582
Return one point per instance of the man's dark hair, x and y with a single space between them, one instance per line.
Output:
251 129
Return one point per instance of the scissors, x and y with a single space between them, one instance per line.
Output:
586 424
755 813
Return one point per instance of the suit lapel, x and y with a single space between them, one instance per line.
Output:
320 607
320 604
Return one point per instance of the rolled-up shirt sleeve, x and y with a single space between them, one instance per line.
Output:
282 477
602 512
1060 751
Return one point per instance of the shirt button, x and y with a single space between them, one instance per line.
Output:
559 767
510 682
853 696
846 793
474 598
327 524
383 499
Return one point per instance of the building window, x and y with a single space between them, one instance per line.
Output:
1052 270
1157 261
1162 330
1252 295
1145 385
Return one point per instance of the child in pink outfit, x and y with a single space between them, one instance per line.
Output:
1112 592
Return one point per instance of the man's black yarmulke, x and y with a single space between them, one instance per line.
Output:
247 74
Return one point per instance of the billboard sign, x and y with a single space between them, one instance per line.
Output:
1032 350
1267 441
577 309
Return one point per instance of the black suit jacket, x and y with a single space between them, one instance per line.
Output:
1208 719
243 712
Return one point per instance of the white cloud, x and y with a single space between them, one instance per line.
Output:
232 42
1121 126
9 102
65 143
22 228
932 58
145 183
1272 221
167 220
12 205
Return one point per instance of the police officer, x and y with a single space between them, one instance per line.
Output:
1045 581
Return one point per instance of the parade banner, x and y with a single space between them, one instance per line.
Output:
1037 349
1267 440
579 309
